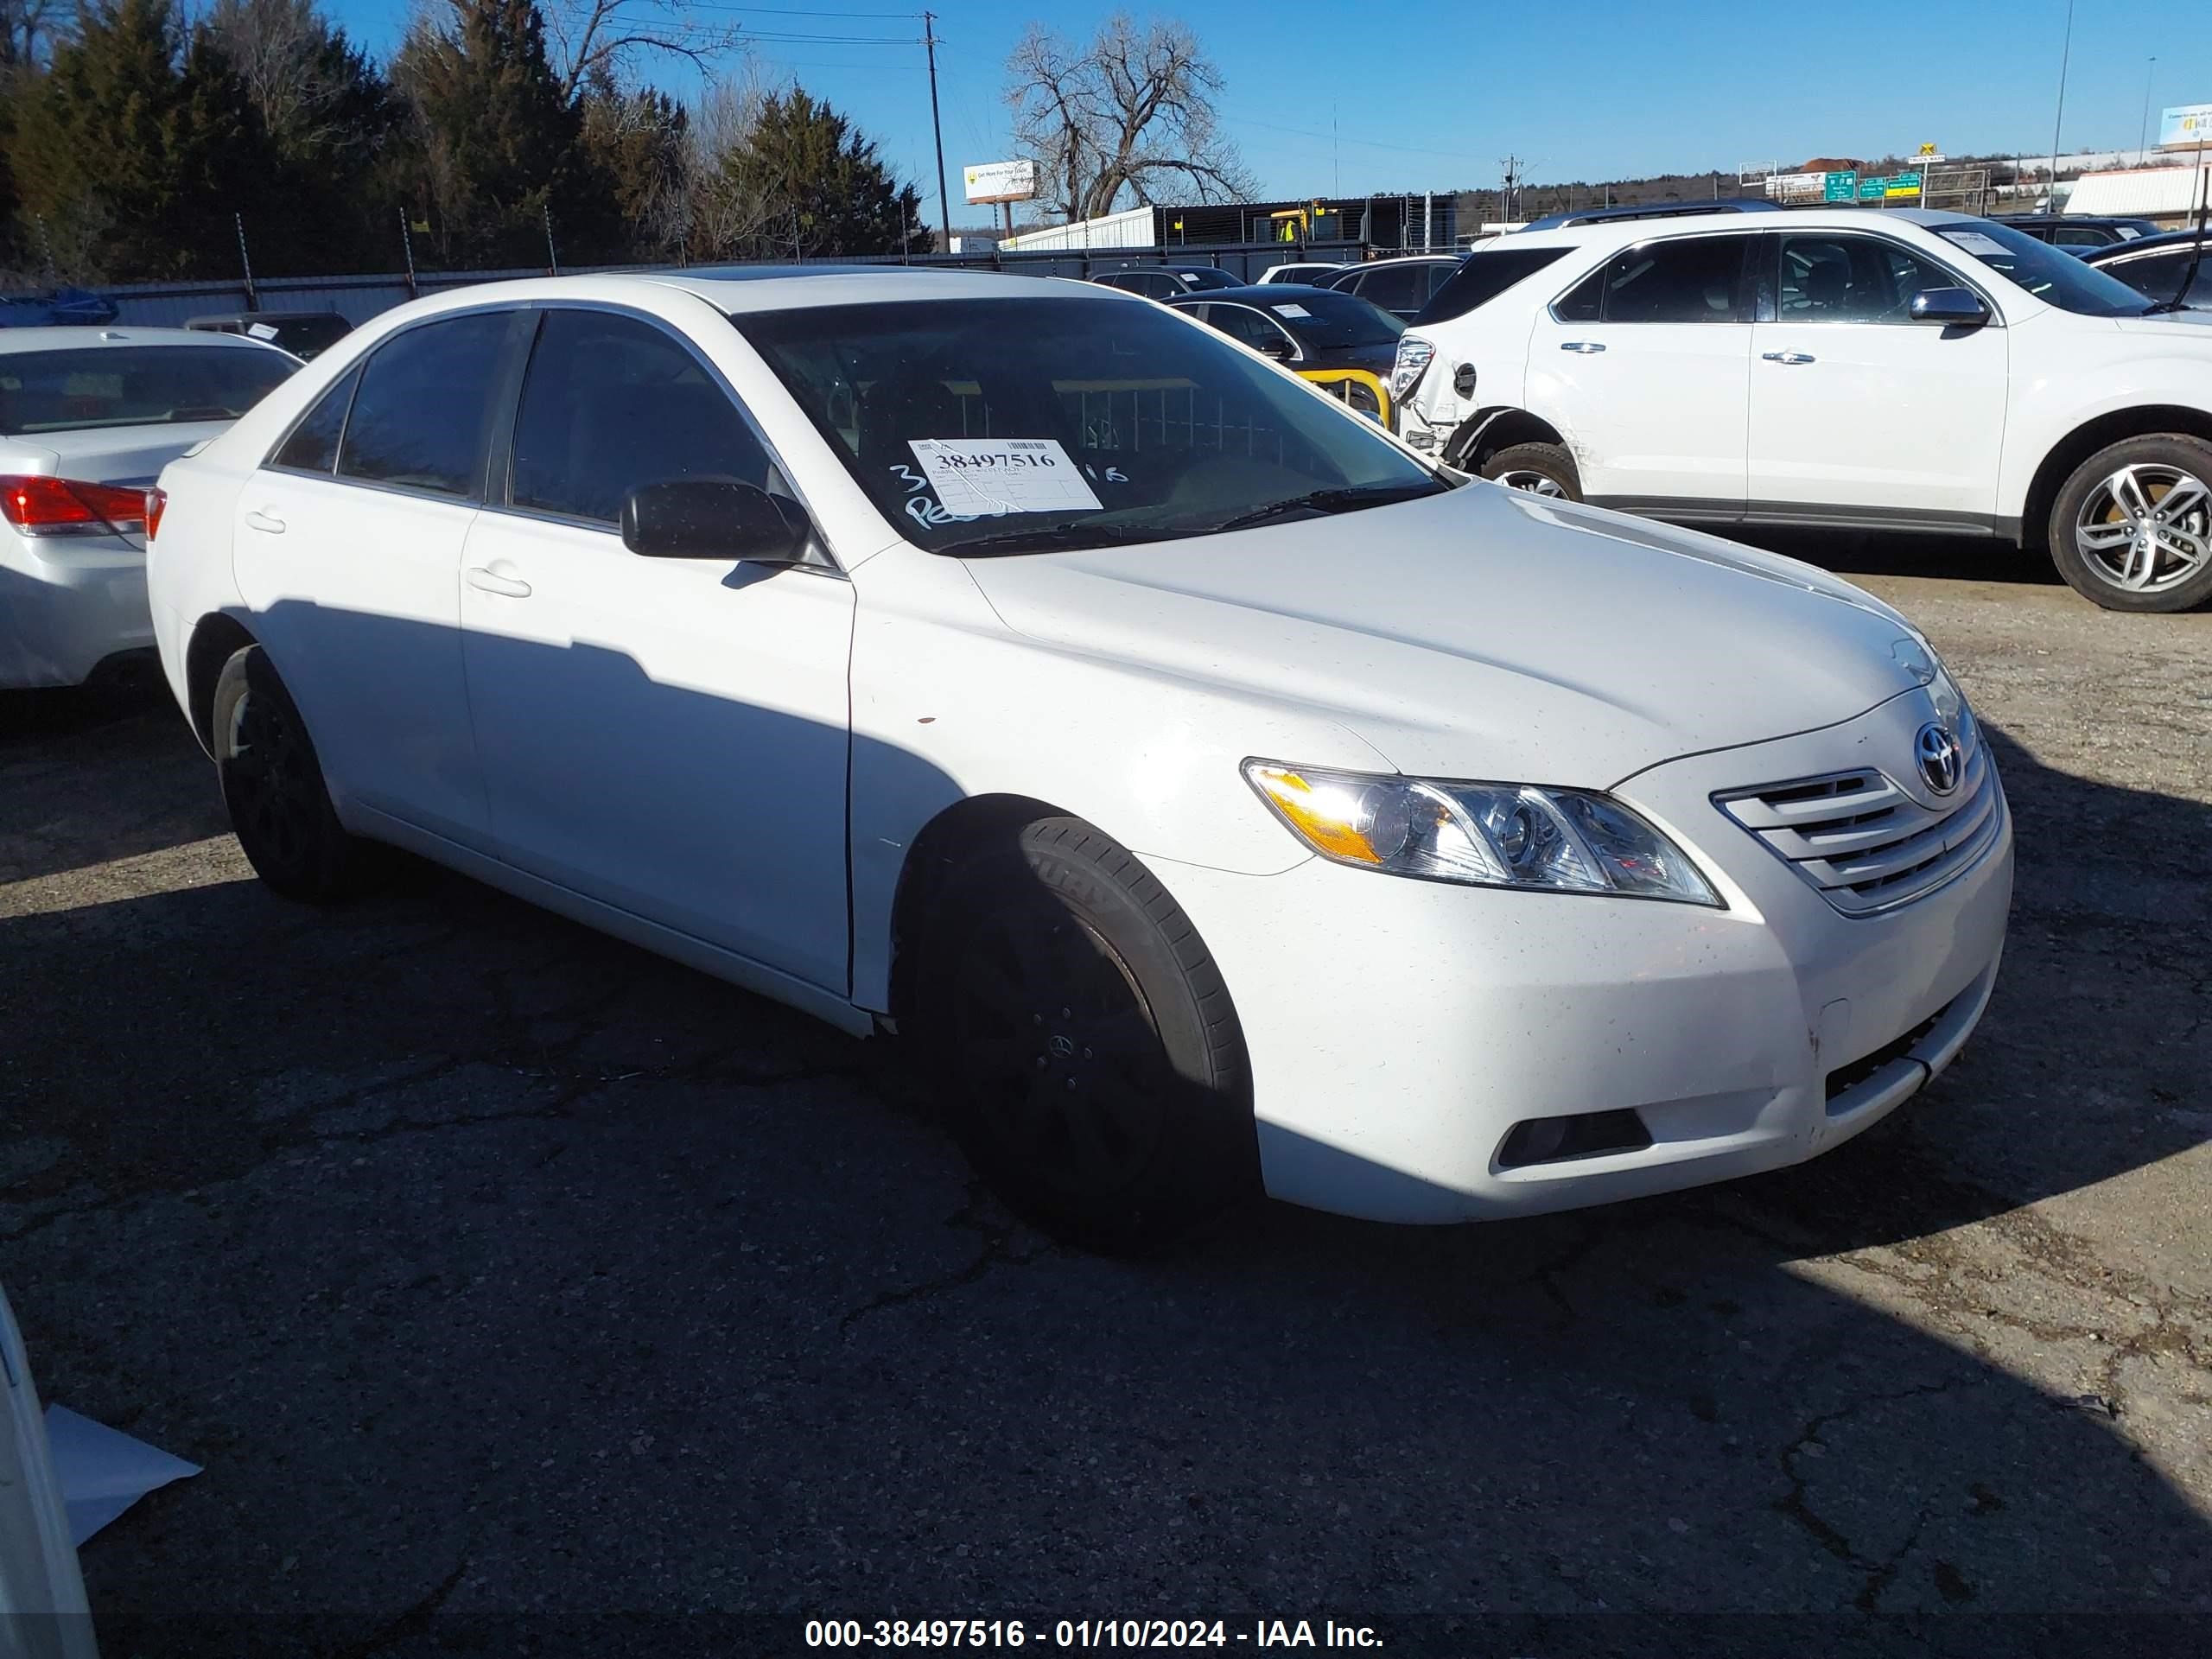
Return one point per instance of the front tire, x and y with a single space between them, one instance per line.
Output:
272 783
1540 469
2131 530
1092 1064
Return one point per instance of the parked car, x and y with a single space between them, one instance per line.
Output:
2078 233
87 419
56 309
303 333
1653 210
1401 287
42 1610
1837 367
1166 281
1338 341
2158 267
1031 668
1302 270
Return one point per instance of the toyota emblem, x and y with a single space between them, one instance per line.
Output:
1940 762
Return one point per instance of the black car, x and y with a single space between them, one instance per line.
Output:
301 333
2080 234
2156 266
1400 286
1340 342
1166 281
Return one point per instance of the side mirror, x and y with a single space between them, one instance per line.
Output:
1278 347
1953 307
714 518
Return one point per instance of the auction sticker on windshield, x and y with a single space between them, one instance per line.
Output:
984 477
1975 243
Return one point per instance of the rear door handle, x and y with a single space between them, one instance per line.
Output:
492 581
1586 347
1787 357
267 523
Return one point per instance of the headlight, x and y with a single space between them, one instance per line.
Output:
1414 355
1484 834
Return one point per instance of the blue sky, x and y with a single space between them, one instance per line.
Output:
1431 96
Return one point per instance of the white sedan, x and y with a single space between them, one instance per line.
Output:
1218 795
88 416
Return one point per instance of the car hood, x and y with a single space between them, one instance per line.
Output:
106 454
1482 633
2189 325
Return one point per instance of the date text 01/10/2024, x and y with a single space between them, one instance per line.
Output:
1086 1633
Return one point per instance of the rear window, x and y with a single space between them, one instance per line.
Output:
1482 277
75 388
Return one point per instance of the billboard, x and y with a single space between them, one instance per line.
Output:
1795 187
1000 180
2185 126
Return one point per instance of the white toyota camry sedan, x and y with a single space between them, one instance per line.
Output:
1219 796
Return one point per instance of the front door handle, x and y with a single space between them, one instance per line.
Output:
1787 357
267 523
492 581
1586 347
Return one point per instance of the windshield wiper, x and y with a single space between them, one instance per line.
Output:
1341 499
1045 538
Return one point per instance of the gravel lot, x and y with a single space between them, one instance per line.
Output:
522 1292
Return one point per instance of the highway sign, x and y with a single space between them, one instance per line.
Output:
1874 188
1840 186
1902 184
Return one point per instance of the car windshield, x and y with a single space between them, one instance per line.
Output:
1025 425
133 385
2052 275
1327 321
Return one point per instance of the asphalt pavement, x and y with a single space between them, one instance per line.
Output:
520 1292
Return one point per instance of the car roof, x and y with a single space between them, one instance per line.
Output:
789 290
1408 259
258 316
1650 210
61 337
1626 232
1265 293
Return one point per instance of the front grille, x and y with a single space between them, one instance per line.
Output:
1866 843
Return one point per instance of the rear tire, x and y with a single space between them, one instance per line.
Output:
1544 469
1090 1062
272 783
2114 540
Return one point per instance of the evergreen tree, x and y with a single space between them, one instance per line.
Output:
499 147
822 187
132 153
635 145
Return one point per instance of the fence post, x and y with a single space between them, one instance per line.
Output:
407 247
552 259
245 262
45 245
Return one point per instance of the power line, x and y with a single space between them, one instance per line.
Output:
793 12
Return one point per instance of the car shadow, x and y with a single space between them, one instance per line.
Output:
1893 553
515 1286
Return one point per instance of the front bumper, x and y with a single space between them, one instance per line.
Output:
68 603
1398 1030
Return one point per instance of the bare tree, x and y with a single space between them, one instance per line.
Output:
1132 112
723 216
299 76
29 28
601 40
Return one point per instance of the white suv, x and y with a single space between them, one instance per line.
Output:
1905 370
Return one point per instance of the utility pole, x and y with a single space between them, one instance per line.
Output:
2142 132
2065 52
937 125
1512 184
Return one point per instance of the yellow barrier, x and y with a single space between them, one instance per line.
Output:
1339 382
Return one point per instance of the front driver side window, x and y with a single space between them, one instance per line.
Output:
1852 279
611 403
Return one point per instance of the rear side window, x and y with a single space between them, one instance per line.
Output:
1395 287
611 403
1693 279
76 389
418 419
1481 277
313 446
